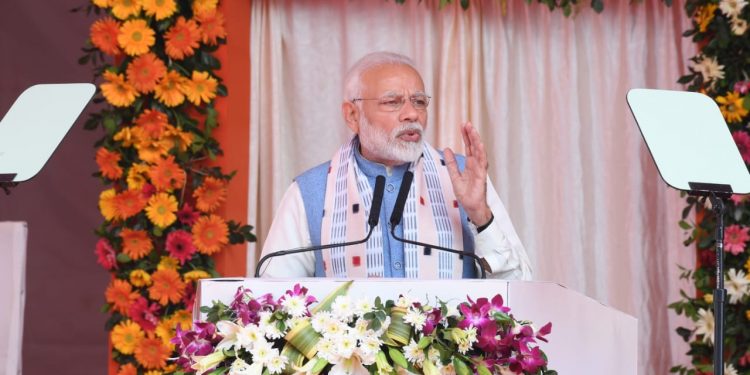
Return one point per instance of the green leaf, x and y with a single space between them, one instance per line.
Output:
424 342
685 225
326 303
598 5
684 333
465 4
461 367
398 358
482 370
123 258
319 366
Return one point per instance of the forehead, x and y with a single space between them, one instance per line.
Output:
387 78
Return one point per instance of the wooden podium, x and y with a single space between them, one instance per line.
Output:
587 337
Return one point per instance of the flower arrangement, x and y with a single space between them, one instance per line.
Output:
719 70
155 65
296 334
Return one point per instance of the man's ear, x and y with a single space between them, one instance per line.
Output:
350 111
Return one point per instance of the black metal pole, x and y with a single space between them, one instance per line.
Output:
719 293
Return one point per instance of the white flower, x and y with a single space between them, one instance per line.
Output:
334 327
229 331
345 345
363 306
263 353
404 301
327 349
294 305
729 369
471 334
207 362
240 367
413 354
705 325
249 335
370 345
433 355
349 366
739 25
343 308
709 68
319 321
415 318
276 364
737 285
447 369
732 8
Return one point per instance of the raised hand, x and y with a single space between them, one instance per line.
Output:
470 186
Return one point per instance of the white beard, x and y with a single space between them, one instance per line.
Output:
388 146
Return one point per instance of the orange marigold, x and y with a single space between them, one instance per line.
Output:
211 26
107 205
108 163
117 91
169 91
127 369
210 195
136 243
152 353
203 6
182 38
166 286
137 176
129 203
177 138
159 9
126 336
145 71
202 87
103 34
161 209
153 122
136 37
167 175
210 234
120 295
151 151
123 9
101 3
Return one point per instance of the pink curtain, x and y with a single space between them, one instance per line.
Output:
548 96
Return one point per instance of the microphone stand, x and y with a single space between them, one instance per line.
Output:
481 262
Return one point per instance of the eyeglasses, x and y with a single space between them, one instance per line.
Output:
392 103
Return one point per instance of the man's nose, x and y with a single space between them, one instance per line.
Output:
408 113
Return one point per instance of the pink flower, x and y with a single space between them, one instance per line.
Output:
742 87
187 216
735 237
105 254
180 245
147 316
738 199
742 139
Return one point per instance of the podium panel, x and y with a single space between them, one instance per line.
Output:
587 337
12 289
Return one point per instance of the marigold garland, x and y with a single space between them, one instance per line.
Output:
154 63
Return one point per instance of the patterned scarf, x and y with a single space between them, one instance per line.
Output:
431 215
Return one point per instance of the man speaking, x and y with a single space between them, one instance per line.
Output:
451 204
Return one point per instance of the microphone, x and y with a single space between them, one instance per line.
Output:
398 213
372 221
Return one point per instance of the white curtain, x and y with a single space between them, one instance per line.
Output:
548 96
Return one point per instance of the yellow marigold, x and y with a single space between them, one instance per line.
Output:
168 263
120 295
136 37
210 195
165 330
159 9
137 176
709 298
704 15
183 319
126 336
151 353
107 204
201 88
747 314
153 372
177 138
101 3
123 9
161 209
117 91
194 275
203 6
732 107
210 234
166 286
151 151
126 136
169 91
140 278
136 243
127 369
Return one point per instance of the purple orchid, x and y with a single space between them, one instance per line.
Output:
475 313
433 319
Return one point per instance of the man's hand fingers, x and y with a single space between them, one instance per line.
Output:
450 163
465 128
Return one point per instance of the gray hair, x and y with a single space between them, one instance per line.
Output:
353 79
